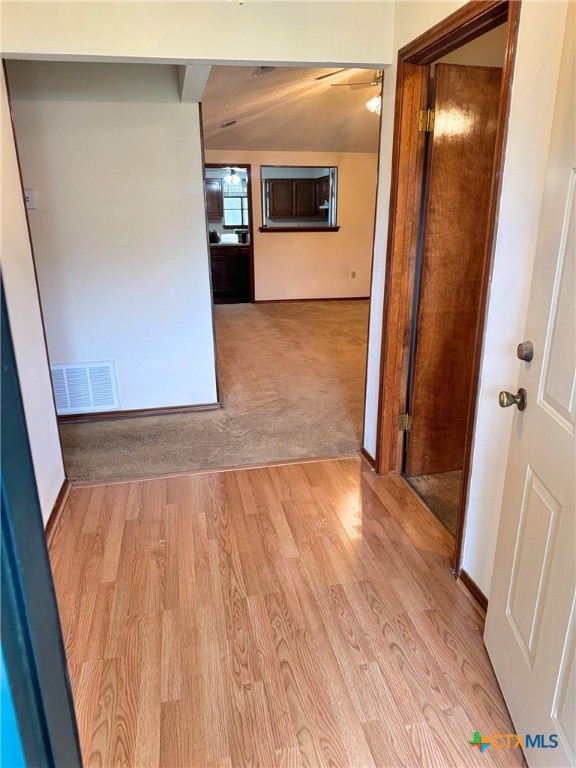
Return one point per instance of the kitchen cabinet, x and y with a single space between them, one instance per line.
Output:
322 193
304 197
280 198
291 198
230 265
214 201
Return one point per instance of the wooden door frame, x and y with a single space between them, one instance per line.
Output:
467 23
248 167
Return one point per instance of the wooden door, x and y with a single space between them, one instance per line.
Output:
214 203
461 156
279 198
531 622
305 197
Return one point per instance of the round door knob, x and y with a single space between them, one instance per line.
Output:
525 351
506 399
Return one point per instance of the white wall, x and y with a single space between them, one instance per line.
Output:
307 265
541 30
326 33
119 232
26 325
485 51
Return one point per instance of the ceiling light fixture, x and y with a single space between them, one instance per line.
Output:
232 177
374 105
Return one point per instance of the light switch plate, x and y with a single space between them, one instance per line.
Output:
30 198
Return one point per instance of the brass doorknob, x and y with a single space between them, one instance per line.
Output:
506 399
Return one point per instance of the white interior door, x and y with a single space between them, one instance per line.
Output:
530 627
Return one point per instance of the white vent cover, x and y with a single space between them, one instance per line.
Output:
85 387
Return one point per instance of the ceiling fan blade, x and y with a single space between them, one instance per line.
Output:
330 74
350 85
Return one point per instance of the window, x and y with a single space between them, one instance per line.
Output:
235 197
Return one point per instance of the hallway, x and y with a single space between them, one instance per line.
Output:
294 615
291 381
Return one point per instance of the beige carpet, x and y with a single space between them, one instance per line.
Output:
441 494
292 385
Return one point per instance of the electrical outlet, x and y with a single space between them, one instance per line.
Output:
353 274
30 198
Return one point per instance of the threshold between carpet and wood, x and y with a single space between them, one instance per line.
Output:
291 384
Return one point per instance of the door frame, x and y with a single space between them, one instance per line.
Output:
408 154
248 167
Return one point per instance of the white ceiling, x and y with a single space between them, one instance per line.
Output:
288 110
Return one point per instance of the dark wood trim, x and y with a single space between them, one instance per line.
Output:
326 298
299 229
248 167
75 418
474 589
505 100
366 456
467 23
59 504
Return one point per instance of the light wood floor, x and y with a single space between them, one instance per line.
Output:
298 615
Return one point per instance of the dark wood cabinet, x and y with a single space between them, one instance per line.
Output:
297 198
214 202
322 192
230 266
280 198
304 197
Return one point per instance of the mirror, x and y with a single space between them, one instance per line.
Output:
298 197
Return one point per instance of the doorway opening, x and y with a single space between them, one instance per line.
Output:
464 96
453 90
291 281
229 213
127 281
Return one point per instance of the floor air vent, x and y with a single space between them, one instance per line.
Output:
85 387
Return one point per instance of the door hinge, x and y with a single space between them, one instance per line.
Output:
405 422
426 121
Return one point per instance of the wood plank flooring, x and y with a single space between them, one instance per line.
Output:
296 615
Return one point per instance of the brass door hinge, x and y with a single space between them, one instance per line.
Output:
426 121
405 422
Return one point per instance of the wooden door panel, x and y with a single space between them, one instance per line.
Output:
214 203
305 197
455 224
279 198
322 190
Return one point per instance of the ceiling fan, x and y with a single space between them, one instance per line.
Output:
377 80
